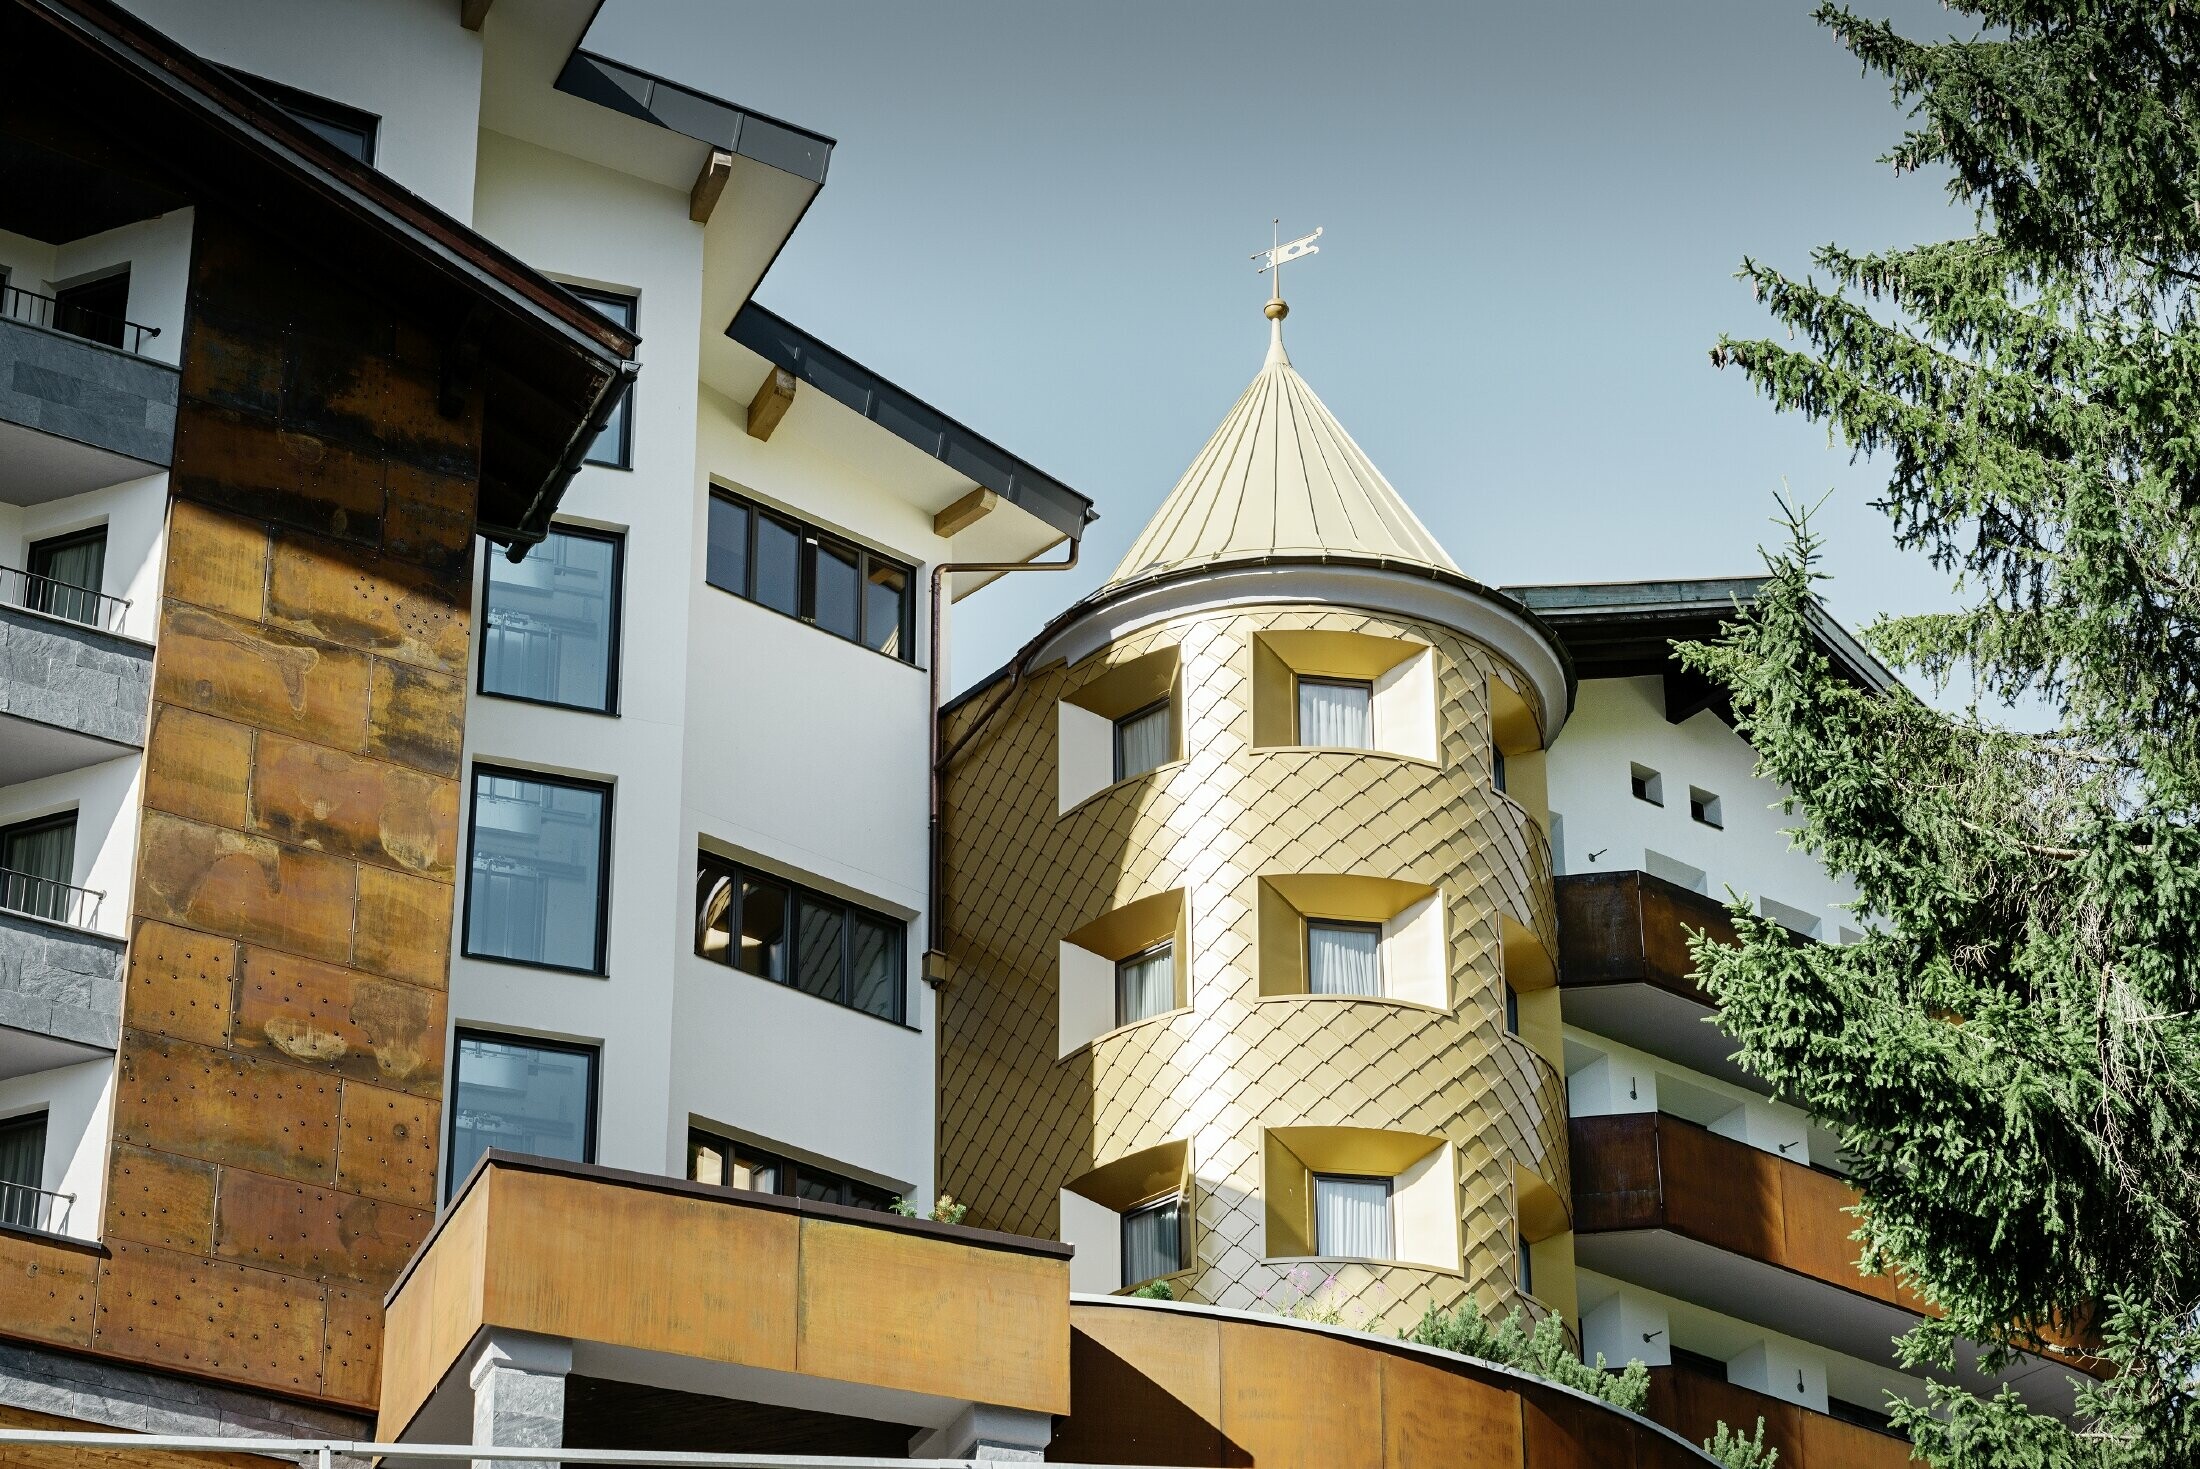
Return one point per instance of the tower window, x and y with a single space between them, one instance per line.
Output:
1344 958
1145 983
1142 740
1704 807
1337 713
1647 784
1352 1217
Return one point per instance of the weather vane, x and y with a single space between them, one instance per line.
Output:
1276 256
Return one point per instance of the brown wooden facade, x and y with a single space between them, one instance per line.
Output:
1694 1404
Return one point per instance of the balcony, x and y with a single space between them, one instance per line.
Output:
1693 1405
60 982
77 413
683 1316
72 693
1625 971
1678 1209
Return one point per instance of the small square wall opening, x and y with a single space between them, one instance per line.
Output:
1647 784
1704 807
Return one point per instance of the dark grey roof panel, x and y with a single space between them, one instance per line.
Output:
911 419
683 110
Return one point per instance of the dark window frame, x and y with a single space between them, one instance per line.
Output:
1182 1204
1175 980
603 865
791 969
1704 808
1353 925
615 632
464 1033
809 538
787 1173
1323 681
307 108
1314 1180
46 591
1115 737
597 299
51 822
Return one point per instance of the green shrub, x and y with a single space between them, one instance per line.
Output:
1543 1351
1737 1452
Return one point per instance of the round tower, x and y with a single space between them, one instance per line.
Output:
1249 911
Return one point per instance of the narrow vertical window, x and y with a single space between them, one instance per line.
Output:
23 1172
1145 983
522 1096
1344 958
66 574
614 447
1337 713
540 860
1153 1240
1352 1217
1142 740
1497 768
37 861
550 624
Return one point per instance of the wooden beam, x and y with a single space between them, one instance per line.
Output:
709 184
471 13
967 511
774 395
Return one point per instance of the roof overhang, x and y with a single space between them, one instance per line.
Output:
549 368
1628 629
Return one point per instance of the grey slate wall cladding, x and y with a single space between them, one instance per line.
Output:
88 392
78 678
60 981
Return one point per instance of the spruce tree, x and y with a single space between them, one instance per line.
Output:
2011 1055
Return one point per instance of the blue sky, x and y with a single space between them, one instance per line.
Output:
1039 218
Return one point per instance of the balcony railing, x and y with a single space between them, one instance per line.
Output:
71 603
63 316
43 897
25 1207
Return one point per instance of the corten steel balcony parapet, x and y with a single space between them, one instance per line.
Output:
1633 928
728 1281
1694 1404
1646 1170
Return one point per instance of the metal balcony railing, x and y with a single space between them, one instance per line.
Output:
43 897
18 304
65 600
41 1209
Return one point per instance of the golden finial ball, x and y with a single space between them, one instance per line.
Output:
1276 310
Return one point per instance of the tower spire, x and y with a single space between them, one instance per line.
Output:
1272 261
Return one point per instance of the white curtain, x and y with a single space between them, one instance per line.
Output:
1145 984
1352 1218
1339 715
1343 959
1142 742
1153 1242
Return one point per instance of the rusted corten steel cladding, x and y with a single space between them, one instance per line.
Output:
349 357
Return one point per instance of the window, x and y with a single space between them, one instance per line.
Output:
720 1160
777 561
614 446
793 936
23 1171
66 573
550 622
94 310
1153 1240
1337 712
1145 983
522 1096
1704 807
1497 768
347 129
1526 1260
1142 740
539 865
1352 1217
1344 958
1647 784
1512 1010
37 859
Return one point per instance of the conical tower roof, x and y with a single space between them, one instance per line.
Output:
1280 476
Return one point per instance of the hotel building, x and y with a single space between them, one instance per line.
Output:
449 992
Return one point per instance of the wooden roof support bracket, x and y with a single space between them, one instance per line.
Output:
471 13
965 512
773 397
709 184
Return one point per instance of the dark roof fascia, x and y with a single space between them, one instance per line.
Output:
1113 591
712 121
1589 614
911 419
360 191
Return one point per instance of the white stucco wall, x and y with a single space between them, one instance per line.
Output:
409 62
1619 722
